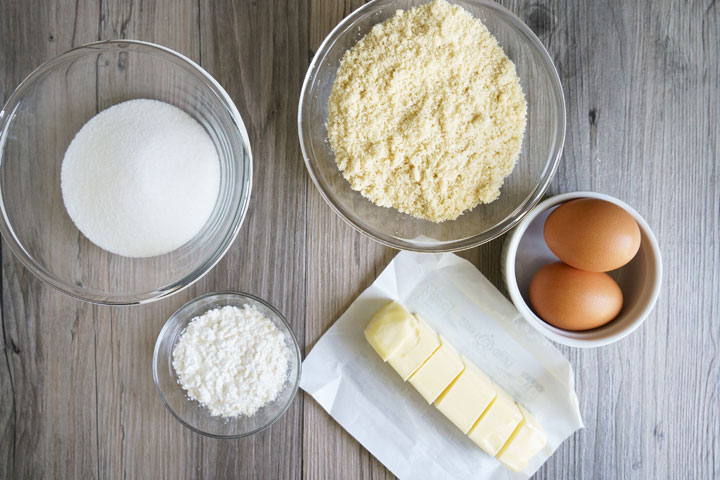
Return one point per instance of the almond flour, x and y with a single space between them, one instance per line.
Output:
427 114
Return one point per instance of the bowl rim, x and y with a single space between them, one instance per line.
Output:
45 275
241 295
452 245
556 334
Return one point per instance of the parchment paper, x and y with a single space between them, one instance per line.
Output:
389 418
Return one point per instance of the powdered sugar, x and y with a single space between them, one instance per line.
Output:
140 178
232 360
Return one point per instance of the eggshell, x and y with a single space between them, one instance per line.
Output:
592 234
574 299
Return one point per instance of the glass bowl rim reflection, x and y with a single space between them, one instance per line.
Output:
238 215
296 356
346 213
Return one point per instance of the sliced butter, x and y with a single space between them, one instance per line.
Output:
467 397
434 376
413 353
497 423
524 443
390 329
460 390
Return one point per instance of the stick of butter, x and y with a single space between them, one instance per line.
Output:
467 397
413 353
390 329
525 442
460 390
434 376
497 423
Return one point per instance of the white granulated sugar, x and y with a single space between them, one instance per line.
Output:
141 178
232 360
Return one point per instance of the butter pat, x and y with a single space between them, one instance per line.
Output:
390 329
413 353
467 397
434 376
497 423
525 442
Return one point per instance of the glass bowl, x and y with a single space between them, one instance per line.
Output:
535 166
36 126
189 412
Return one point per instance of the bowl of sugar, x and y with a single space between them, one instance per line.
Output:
125 172
227 365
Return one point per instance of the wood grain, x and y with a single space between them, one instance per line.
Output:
641 82
48 418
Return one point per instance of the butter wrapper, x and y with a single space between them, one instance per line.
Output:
390 418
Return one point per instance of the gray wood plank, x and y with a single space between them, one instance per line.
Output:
47 373
641 82
642 92
140 432
344 263
135 432
341 263
254 50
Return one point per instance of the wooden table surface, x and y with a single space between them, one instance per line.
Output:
641 83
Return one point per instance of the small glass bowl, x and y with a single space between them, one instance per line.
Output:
189 412
535 167
39 121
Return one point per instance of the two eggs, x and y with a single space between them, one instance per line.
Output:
590 237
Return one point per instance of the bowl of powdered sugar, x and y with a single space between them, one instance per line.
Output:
227 365
125 172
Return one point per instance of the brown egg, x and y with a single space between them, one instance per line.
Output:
574 299
592 235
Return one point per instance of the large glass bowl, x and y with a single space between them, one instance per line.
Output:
36 126
189 412
533 172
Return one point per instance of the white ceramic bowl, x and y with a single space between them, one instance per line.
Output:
525 251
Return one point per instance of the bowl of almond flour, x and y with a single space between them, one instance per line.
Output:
227 365
431 125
